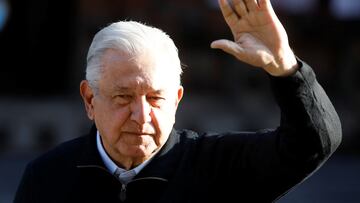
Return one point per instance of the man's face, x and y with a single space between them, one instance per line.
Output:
134 109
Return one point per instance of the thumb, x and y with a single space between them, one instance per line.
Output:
229 47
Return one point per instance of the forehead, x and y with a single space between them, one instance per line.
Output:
143 72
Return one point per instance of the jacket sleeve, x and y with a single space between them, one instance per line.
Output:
271 162
310 128
308 134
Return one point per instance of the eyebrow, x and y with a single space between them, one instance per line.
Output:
128 89
121 88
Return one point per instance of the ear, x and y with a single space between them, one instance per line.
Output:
180 93
87 95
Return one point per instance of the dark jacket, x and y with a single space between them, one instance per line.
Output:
233 166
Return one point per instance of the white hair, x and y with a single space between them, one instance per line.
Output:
133 38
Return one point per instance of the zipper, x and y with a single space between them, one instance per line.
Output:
122 194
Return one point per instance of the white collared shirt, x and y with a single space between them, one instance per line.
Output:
123 175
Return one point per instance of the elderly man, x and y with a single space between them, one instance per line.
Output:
133 154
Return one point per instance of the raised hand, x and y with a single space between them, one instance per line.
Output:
259 37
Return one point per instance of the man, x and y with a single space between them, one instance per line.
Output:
133 154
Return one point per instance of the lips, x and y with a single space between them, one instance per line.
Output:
139 133
132 128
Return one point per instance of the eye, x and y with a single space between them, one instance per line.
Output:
123 98
155 100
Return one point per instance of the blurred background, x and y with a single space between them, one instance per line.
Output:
43 46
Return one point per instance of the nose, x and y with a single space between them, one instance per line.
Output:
140 111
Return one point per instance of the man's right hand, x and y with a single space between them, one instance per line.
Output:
259 38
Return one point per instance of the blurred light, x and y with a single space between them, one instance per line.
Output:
4 12
296 7
213 4
345 9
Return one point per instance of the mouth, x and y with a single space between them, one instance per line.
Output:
139 133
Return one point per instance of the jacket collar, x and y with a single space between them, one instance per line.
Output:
162 165
166 161
90 156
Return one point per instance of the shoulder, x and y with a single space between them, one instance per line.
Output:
63 155
212 140
185 135
188 134
53 171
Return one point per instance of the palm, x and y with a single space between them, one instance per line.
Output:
259 37
254 50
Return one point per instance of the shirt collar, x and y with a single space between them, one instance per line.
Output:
109 164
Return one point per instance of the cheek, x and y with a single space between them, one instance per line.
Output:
164 120
118 116
111 114
109 121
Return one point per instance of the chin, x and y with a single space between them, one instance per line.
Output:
140 152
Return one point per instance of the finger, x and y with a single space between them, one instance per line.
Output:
229 47
264 4
230 16
240 7
251 5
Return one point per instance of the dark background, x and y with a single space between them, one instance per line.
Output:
43 46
